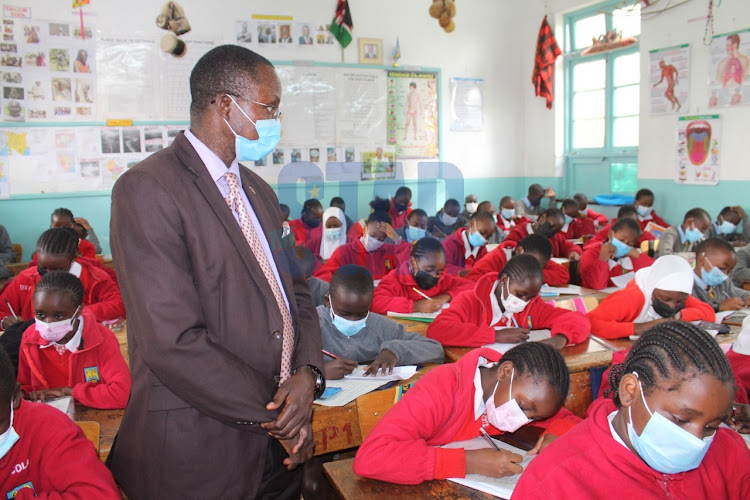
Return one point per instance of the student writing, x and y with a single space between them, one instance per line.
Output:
548 225
714 260
685 237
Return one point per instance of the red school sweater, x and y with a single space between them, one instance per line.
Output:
494 262
595 273
101 296
455 253
467 321
379 263
579 227
587 463
302 232
613 317
740 364
438 410
561 248
652 217
97 372
52 459
596 217
603 235
398 219
395 292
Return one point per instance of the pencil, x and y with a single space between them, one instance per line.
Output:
422 294
329 354
488 438
11 309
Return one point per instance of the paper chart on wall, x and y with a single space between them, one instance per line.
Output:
308 101
413 113
360 107
175 74
729 70
670 79
467 104
698 149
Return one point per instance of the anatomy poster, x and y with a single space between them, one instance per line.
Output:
670 79
698 148
729 82
413 113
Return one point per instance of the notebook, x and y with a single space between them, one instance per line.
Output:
534 336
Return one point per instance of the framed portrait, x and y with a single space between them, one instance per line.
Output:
370 51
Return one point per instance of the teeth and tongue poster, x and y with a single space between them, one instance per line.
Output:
698 148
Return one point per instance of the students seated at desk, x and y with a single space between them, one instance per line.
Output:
504 307
467 246
575 225
332 236
483 390
308 226
714 260
614 258
535 245
415 228
548 225
369 251
355 334
657 294
7 253
726 225
739 357
357 230
338 202
660 437
644 205
400 207
531 206
684 238
499 235
584 211
507 219
471 205
603 234
421 273
57 249
67 353
43 453
62 217
446 221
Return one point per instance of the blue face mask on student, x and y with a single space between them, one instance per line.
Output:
727 227
507 213
269 135
476 239
346 326
414 233
9 437
643 211
693 235
665 446
621 249
568 219
714 277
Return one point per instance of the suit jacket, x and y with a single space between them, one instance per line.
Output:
205 334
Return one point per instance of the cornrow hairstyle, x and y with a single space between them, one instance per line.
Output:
480 215
311 204
569 202
353 278
403 190
696 213
627 223
62 212
644 192
536 244
543 363
581 198
379 216
522 267
58 241
711 244
7 376
62 282
627 211
452 203
505 198
380 204
417 212
675 350
426 246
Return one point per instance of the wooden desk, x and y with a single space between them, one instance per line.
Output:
109 424
419 327
626 343
16 267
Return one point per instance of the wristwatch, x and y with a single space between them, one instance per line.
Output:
320 380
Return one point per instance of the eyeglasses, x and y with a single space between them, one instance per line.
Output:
273 111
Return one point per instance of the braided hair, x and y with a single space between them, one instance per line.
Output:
63 212
668 351
543 363
480 215
522 267
58 241
426 246
61 282
536 244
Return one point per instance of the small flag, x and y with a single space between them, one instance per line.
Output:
342 25
396 53
78 3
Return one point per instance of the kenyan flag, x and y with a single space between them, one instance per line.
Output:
342 25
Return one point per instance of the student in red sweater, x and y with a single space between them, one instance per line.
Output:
584 211
660 437
485 389
43 454
603 234
644 202
57 252
739 356
369 251
400 207
423 271
548 225
575 225
615 257
657 294
62 217
308 226
507 219
504 307
467 246
66 353
534 244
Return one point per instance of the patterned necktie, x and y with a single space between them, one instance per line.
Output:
235 203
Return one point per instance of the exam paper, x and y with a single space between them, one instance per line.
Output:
560 290
623 279
534 336
399 373
351 389
63 403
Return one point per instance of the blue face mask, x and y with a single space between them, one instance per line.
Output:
476 239
693 235
568 219
508 213
621 249
665 446
269 135
414 233
9 437
346 326
714 277
727 227
643 211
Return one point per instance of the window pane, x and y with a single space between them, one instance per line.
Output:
588 134
628 69
628 20
626 100
588 28
588 105
589 76
625 132
623 177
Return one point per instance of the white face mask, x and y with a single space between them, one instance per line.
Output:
472 207
9 437
371 244
511 303
333 233
448 220
508 417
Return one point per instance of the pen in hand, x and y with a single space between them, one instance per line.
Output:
11 309
489 439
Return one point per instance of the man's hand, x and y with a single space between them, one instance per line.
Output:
556 341
299 448
493 463
512 335
339 368
427 306
544 441
46 394
296 394
731 304
386 360
549 193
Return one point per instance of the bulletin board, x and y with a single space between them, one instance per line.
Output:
60 87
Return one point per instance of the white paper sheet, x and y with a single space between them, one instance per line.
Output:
63 404
350 390
399 373
561 290
534 336
622 280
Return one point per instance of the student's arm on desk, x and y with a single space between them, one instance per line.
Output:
404 432
325 273
455 326
114 388
613 317
556 274
696 309
573 325
594 270
387 296
410 348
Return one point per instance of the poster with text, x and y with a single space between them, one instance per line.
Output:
413 113
729 82
467 104
360 107
669 71
698 149
378 163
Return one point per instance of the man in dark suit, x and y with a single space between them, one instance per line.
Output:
223 337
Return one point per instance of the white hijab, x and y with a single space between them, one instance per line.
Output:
742 344
670 273
327 246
